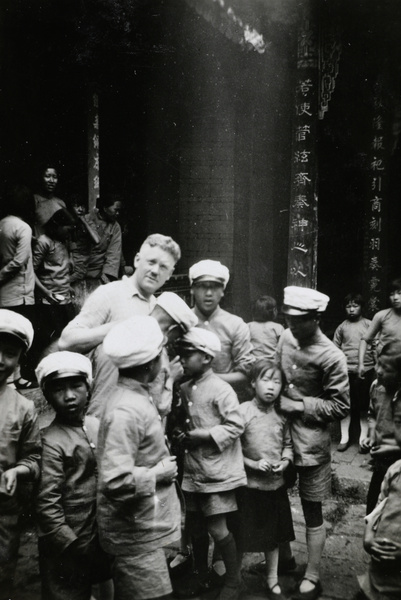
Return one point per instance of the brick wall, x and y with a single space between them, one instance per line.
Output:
206 189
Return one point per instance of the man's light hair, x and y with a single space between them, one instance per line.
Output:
164 242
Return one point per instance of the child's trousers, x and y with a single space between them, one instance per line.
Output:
9 545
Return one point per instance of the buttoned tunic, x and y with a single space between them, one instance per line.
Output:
233 333
318 370
212 404
19 440
51 262
266 436
94 260
135 513
17 278
66 500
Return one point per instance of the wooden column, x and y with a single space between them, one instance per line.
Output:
303 221
375 279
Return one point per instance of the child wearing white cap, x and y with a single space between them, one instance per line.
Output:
234 361
138 508
20 446
213 464
317 393
70 557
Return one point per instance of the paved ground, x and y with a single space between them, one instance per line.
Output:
343 559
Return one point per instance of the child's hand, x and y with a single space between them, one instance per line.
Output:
9 482
361 371
366 444
385 549
176 368
197 437
281 466
263 465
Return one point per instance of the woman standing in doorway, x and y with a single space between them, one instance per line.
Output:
46 202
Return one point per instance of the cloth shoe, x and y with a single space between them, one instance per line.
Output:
313 594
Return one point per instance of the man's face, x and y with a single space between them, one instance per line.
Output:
207 296
302 327
154 267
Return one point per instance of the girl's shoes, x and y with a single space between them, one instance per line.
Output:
272 595
312 594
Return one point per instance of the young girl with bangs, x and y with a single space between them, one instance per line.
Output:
265 513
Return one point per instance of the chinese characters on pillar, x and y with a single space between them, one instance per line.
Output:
93 150
303 208
374 238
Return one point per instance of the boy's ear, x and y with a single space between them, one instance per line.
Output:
253 384
207 359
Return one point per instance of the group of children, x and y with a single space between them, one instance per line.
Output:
107 501
124 483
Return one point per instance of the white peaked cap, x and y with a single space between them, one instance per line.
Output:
201 339
301 301
134 342
63 364
209 270
15 324
178 310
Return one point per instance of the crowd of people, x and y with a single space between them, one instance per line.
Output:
177 425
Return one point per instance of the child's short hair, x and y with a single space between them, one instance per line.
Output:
354 297
261 367
392 351
395 284
264 309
